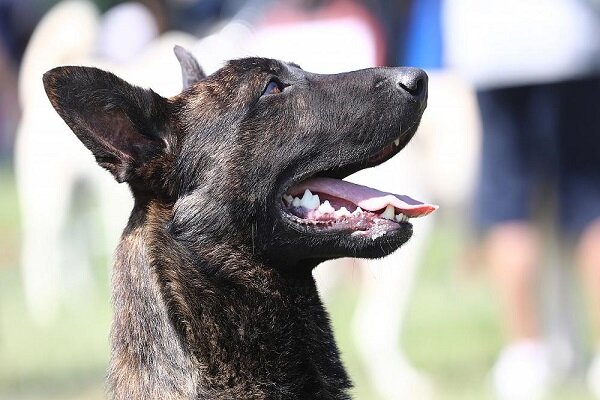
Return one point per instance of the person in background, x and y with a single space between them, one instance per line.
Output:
536 68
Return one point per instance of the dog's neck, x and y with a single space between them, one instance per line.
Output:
214 325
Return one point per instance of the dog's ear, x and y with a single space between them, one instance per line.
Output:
191 71
124 126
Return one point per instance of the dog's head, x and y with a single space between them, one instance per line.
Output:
254 154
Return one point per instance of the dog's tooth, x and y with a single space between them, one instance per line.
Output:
388 213
288 199
326 208
307 200
342 212
316 202
358 211
307 194
296 202
401 217
397 142
310 201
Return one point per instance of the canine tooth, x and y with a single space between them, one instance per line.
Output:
397 142
326 208
288 199
357 211
389 212
296 202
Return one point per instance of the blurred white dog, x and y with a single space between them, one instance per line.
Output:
55 254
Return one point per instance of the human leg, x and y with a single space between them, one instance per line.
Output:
511 242
580 195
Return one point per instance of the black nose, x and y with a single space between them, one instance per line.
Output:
413 81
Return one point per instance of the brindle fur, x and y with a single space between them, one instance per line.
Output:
212 288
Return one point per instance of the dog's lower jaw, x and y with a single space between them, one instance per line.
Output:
189 327
308 249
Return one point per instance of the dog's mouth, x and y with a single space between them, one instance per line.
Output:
324 202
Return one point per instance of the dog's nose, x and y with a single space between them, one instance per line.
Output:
413 81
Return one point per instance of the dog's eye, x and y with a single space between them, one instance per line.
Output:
273 87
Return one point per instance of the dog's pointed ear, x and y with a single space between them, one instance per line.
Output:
191 71
124 126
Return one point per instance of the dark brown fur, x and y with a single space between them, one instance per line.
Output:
212 289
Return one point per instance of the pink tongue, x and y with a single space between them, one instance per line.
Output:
365 197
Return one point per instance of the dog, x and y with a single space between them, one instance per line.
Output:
238 195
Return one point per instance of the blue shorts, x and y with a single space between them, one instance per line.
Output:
538 135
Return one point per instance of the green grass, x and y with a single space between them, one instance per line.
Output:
452 332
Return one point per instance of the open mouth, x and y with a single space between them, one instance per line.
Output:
324 202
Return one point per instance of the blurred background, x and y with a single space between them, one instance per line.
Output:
496 296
